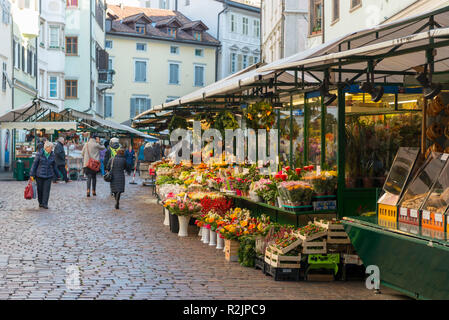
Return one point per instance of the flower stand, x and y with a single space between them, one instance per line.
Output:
212 238
206 235
183 226
231 250
167 217
220 241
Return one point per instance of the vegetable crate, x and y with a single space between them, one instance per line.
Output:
322 267
314 247
286 274
336 233
280 261
259 263
433 220
288 248
387 212
410 216
312 236
352 259
231 250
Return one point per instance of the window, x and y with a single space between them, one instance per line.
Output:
108 106
140 28
336 10
233 62
139 105
245 61
239 62
4 77
174 73
6 12
245 26
53 87
71 46
72 3
199 52
110 67
23 58
71 89
16 48
108 44
140 71
199 76
355 4
174 50
54 37
171 32
256 29
163 4
315 16
141 47
233 24
29 61
197 35
41 33
256 59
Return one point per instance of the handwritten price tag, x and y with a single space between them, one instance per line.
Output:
444 156
438 217
403 212
426 215
414 213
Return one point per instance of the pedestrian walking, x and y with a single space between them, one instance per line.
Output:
140 156
102 154
148 153
43 171
40 144
117 166
114 145
91 150
60 157
130 157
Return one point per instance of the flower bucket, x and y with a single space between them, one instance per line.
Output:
220 241
174 223
167 217
254 197
205 235
212 238
183 226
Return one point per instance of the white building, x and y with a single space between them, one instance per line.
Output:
235 24
6 65
329 19
284 28
159 4
51 57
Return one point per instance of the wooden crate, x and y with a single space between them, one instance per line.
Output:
280 261
287 249
336 233
312 236
314 247
283 274
231 250
352 259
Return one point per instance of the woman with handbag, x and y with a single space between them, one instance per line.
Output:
91 162
116 175
43 171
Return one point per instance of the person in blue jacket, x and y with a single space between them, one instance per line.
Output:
43 171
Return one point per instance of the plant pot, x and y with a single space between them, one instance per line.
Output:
174 223
183 226
206 235
212 238
167 217
220 241
253 196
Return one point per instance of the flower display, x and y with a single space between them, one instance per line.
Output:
167 189
182 207
323 183
310 230
295 193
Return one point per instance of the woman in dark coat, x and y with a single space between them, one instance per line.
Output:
43 171
117 166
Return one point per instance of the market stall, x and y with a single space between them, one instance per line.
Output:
347 107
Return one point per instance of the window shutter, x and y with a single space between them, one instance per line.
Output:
133 108
251 60
35 65
239 62
148 104
14 52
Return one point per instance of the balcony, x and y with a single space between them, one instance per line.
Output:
105 79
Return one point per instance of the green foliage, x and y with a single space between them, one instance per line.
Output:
177 122
260 116
225 120
247 251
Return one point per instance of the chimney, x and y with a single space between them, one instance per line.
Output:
121 5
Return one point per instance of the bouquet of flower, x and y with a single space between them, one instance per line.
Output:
182 207
170 189
282 238
266 189
219 205
295 193
212 220
199 195
323 183
242 186
237 222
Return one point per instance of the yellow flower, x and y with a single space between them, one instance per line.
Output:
245 232
243 223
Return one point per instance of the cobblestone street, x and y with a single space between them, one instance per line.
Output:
126 253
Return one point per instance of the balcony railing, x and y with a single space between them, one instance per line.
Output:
105 79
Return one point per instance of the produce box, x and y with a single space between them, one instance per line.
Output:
410 216
285 274
285 250
351 259
322 267
231 250
259 263
336 233
314 247
281 261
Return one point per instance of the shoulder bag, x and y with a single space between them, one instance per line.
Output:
93 164
108 175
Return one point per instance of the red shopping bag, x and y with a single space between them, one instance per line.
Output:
29 191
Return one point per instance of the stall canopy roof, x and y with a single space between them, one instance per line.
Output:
396 48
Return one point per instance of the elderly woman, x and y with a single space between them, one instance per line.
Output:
43 171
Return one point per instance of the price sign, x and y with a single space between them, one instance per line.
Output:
236 170
260 163
414 213
318 170
438 217
403 211
444 156
426 215
245 170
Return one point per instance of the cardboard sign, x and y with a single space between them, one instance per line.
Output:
413 213
403 211
444 156
426 215
438 217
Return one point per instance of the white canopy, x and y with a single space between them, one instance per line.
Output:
39 125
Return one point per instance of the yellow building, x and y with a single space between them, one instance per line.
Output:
157 55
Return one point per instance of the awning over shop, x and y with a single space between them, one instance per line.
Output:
25 125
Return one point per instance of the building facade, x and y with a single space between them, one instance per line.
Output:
51 51
6 64
157 55
158 4
329 19
236 24
284 28
86 61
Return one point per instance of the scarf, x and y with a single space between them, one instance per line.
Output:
46 154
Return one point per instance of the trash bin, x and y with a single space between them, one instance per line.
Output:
20 167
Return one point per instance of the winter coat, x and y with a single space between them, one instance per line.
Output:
43 167
94 151
111 152
148 154
130 157
60 154
141 156
118 165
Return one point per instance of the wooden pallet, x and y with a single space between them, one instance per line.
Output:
279 261
314 247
